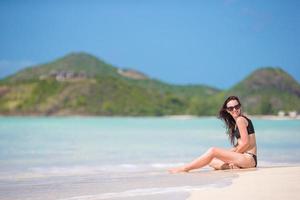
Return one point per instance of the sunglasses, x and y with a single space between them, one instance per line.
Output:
230 108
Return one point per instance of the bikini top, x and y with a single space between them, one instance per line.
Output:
250 129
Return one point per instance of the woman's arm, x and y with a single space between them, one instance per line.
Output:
243 142
233 149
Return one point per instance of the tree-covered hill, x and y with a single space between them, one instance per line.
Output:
268 90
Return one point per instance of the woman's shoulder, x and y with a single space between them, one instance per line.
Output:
243 119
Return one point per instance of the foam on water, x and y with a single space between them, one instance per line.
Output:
137 193
80 170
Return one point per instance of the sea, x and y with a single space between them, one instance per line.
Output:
95 158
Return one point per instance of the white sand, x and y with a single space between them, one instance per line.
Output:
264 183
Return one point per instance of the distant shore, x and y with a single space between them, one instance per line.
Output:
274 117
264 183
268 117
180 117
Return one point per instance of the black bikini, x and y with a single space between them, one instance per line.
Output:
250 130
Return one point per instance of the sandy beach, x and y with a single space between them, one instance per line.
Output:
262 183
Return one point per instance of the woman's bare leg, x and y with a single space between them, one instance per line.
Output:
226 156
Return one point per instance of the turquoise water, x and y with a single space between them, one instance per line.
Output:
98 151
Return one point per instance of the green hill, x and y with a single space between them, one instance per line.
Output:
268 90
86 64
81 84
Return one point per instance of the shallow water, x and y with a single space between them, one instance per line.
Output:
111 158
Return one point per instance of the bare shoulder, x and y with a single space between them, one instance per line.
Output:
241 120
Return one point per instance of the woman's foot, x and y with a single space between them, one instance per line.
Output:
226 166
233 166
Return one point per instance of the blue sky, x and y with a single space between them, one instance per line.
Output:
216 43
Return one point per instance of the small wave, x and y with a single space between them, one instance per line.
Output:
165 165
136 193
129 166
82 170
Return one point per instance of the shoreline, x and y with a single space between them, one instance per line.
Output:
267 117
262 183
274 117
175 117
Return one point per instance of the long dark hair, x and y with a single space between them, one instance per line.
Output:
228 119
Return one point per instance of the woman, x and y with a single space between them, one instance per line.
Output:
239 128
